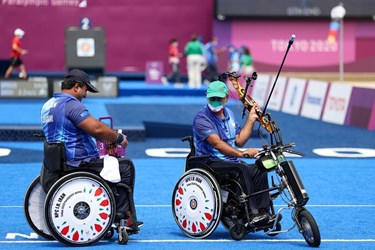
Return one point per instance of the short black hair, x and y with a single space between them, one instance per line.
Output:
69 84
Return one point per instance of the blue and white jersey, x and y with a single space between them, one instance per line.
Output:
60 117
207 123
211 57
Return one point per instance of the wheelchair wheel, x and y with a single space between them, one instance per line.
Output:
33 208
109 234
123 236
309 228
196 203
79 209
237 232
232 207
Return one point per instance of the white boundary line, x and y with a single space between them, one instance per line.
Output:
205 241
328 205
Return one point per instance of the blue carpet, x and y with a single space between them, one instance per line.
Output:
335 201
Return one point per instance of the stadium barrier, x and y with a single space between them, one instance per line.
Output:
342 104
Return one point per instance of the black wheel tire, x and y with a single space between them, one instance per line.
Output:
237 232
109 234
309 228
35 222
123 237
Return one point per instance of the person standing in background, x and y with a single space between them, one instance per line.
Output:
194 60
212 52
247 64
234 59
174 60
17 51
204 62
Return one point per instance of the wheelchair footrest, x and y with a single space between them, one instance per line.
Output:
131 228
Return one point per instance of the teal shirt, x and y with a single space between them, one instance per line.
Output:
246 60
193 48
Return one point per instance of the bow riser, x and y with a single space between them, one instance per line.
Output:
248 102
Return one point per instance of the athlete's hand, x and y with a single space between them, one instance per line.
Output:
255 110
125 142
249 152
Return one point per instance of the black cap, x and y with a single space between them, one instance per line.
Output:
81 76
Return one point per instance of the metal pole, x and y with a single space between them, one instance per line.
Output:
341 50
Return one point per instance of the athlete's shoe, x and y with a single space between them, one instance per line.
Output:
129 225
259 219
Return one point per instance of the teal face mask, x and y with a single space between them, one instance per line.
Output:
215 106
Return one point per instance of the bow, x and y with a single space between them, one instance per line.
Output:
247 101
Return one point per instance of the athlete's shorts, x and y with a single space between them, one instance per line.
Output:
15 61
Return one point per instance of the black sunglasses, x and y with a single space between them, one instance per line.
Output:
215 98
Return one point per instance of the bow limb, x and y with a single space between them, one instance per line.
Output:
236 84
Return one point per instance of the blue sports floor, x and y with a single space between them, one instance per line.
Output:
341 189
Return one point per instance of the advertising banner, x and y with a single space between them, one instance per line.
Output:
314 98
260 89
154 71
310 49
361 108
107 85
278 93
371 124
34 87
337 103
293 96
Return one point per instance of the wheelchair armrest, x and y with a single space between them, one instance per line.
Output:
186 138
190 139
197 162
198 158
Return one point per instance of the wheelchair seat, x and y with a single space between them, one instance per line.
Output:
54 164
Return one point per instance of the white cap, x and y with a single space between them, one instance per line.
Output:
19 32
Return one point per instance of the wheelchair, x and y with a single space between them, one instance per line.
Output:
202 198
79 208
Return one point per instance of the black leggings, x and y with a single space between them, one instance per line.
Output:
251 179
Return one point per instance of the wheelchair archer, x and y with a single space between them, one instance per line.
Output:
77 207
202 197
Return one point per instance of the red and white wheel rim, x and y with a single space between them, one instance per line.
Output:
80 210
196 204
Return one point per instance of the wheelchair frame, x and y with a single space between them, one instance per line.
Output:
234 201
79 208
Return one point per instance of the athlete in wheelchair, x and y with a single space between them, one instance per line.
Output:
80 197
218 186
